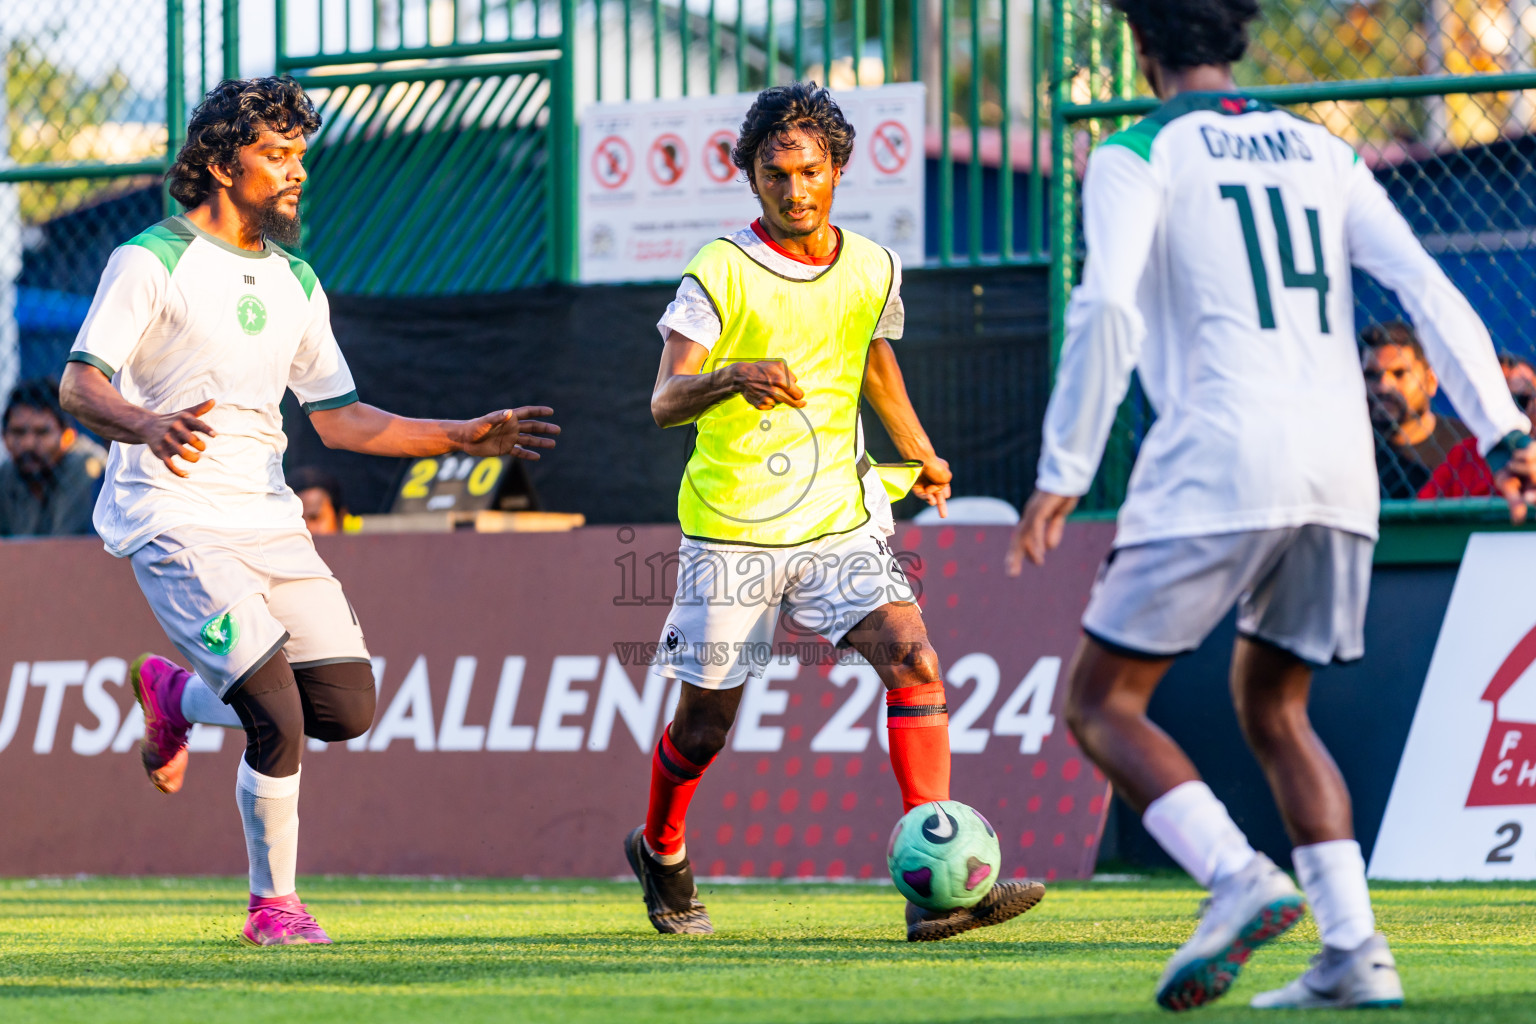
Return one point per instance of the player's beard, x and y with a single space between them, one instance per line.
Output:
32 467
277 225
1388 411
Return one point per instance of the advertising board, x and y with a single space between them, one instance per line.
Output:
517 715
1463 803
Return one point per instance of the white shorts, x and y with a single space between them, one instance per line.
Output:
720 629
1301 588
230 599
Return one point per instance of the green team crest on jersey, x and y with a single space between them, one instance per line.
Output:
252 314
221 633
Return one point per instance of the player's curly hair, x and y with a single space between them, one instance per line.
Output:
232 115
1189 33
800 106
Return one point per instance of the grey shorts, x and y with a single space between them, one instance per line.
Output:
1300 588
231 599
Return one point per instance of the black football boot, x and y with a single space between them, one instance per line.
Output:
671 898
1004 901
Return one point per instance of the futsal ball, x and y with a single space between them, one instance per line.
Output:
943 855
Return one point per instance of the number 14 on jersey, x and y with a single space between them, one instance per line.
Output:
1316 279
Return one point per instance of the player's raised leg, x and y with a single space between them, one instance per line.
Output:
894 639
1252 901
172 700
1270 688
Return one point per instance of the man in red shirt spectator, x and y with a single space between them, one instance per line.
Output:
1465 473
1412 441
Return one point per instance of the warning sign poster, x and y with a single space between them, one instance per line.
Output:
1463 804
657 181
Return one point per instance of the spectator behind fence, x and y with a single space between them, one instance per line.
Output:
1411 440
1465 473
49 486
324 508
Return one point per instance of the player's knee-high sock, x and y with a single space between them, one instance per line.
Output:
917 720
1196 830
269 811
673 780
1332 874
200 704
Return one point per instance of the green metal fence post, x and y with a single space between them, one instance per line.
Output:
280 31
1063 236
1005 138
828 26
658 26
231 47
887 41
946 160
562 144
1035 187
175 89
860 30
973 170
682 43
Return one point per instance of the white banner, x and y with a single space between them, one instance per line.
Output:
657 181
1463 804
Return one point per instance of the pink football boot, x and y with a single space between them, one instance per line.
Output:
157 685
281 921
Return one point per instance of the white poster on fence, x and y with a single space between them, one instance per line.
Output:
657 181
1463 804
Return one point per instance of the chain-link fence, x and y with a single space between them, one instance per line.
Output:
1439 98
90 88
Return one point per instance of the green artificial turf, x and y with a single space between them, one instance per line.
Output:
163 950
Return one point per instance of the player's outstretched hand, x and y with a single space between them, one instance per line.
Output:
767 383
1516 483
508 432
175 435
1040 529
933 484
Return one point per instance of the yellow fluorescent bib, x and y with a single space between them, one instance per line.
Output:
786 476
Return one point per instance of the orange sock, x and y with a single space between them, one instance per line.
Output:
917 720
673 780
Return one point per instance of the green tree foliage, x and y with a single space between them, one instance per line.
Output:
47 109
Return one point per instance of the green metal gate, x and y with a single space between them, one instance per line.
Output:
433 184
446 161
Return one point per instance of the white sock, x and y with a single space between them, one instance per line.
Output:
667 859
1194 827
269 811
1332 874
200 704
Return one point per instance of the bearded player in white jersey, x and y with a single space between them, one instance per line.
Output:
1220 235
198 326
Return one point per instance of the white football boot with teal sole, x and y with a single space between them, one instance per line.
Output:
1342 979
1242 913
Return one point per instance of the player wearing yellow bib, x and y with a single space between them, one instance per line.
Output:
775 335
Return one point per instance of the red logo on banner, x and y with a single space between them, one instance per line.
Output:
1506 774
717 157
668 159
890 147
612 161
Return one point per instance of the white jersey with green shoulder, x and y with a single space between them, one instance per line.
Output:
1220 235
181 317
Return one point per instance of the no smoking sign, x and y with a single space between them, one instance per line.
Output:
890 147
668 160
612 162
717 157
